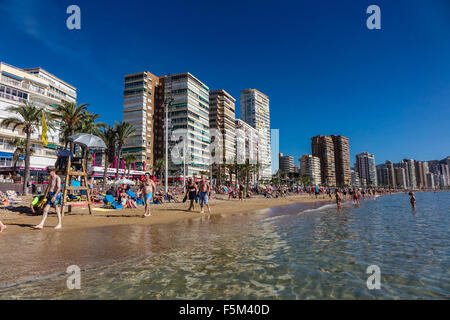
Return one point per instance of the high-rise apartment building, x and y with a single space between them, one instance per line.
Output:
365 166
421 170
286 163
355 178
140 100
247 146
256 112
342 160
310 166
189 110
386 174
222 117
323 148
400 177
410 172
45 90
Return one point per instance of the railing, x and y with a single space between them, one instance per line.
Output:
11 97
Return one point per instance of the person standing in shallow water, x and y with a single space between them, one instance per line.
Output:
412 199
338 199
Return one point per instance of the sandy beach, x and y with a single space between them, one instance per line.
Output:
19 219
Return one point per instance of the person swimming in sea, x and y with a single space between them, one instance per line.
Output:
412 199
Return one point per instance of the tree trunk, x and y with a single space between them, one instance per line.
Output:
105 172
72 146
26 178
119 151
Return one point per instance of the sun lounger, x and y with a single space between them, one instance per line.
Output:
110 201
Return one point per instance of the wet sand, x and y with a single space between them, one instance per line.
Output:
108 237
21 220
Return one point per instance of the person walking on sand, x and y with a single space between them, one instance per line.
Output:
412 199
204 189
148 188
191 193
54 198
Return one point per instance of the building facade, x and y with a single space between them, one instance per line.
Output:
45 90
323 148
188 111
255 111
286 163
140 100
342 160
222 117
310 166
365 166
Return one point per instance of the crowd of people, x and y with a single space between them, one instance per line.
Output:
147 193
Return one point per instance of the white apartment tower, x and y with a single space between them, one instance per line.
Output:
256 112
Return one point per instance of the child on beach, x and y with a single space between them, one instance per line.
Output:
37 203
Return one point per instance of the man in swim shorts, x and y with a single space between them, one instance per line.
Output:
148 189
204 189
54 198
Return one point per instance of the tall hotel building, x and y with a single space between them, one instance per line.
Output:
386 174
190 111
45 90
222 117
140 100
256 112
342 160
310 166
323 148
365 166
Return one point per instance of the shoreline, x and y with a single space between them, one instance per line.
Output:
19 219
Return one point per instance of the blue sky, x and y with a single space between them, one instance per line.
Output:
387 90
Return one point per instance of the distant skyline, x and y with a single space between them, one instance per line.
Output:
325 73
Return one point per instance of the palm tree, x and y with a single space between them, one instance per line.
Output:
124 131
71 116
129 159
20 145
158 166
29 121
109 136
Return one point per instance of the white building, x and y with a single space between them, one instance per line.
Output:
365 166
44 90
255 111
189 111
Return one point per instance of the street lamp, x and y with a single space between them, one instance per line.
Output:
167 104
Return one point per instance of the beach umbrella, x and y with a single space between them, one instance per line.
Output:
123 181
88 140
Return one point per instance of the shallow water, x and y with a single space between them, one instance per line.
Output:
277 253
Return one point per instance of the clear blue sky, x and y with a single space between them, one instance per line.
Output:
387 90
